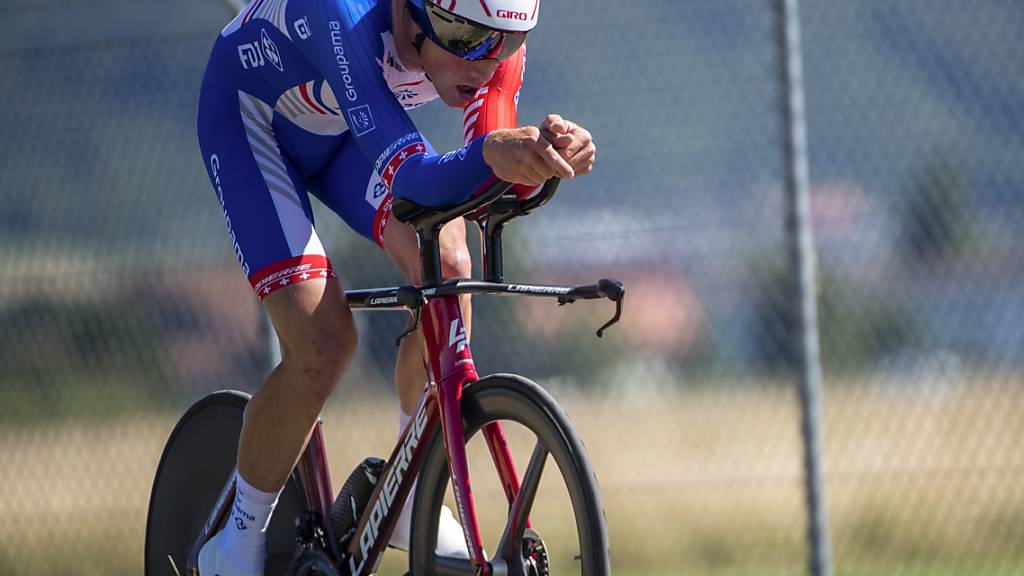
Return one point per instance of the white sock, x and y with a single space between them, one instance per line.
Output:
244 539
403 421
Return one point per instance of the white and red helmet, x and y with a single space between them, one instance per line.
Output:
476 29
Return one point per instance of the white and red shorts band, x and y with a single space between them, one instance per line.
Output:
290 271
381 219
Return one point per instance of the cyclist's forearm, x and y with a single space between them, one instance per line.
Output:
442 179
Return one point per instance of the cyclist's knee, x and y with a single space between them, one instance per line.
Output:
319 358
318 336
456 262
455 257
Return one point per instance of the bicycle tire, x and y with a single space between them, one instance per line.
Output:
508 397
197 460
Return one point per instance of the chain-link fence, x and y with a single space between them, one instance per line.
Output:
121 302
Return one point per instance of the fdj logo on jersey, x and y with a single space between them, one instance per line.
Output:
270 49
254 55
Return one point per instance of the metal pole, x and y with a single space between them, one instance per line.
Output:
800 240
235 5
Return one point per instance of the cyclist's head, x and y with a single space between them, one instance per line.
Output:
475 29
467 40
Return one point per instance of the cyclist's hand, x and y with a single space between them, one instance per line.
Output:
524 156
573 142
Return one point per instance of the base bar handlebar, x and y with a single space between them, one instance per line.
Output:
409 297
413 297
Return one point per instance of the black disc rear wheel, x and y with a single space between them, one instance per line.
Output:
197 461
516 402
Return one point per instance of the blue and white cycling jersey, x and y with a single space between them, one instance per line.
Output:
311 94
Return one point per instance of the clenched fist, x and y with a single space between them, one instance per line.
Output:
524 156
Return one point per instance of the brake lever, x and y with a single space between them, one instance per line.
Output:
616 292
618 314
413 299
411 329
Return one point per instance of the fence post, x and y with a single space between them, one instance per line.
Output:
235 6
800 244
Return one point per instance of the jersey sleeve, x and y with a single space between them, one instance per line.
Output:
342 45
496 105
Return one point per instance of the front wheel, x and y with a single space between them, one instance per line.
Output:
565 509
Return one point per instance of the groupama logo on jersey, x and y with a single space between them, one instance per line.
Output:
360 119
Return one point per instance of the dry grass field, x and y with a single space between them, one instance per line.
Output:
707 482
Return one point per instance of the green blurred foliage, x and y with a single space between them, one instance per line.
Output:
936 218
79 358
855 329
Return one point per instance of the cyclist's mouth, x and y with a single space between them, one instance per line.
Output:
466 92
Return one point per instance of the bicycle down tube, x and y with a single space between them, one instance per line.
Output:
382 510
450 369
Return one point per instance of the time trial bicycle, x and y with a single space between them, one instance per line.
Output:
312 533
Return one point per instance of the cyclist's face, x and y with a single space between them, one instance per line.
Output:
455 79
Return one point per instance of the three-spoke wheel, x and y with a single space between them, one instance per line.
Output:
516 402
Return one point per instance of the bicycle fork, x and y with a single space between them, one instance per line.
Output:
450 369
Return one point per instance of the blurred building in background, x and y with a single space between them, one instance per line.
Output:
121 301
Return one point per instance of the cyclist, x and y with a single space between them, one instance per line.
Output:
311 95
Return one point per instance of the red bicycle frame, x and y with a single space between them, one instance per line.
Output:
450 369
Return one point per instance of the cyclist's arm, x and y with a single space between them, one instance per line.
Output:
341 46
496 105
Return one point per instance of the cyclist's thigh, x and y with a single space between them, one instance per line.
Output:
352 187
265 204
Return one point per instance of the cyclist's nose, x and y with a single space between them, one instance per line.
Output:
481 71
